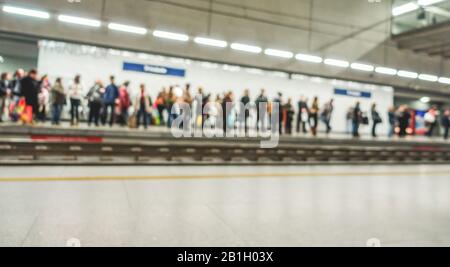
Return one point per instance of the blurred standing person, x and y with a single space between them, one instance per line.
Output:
349 120
76 96
446 123
213 114
16 84
142 107
5 91
403 120
431 119
279 100
124 103
29 88
161 106
151 119
314 116
245 114
170 101
327 113
109 102
392 121
376 119
187 97
58 100
205 99
95 102
178 101
226 114
290 113
357 117
261 117
303 114
44 96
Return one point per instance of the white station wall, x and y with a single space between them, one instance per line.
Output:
65 60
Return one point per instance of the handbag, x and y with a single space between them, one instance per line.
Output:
132 121
377 118
365 120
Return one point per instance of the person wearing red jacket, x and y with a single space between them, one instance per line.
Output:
124 103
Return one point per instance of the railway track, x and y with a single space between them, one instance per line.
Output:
160 151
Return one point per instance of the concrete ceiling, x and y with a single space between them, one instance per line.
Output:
354 30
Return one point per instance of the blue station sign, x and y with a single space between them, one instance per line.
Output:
154 69
352 93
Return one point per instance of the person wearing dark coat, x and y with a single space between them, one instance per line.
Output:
404 118
446 123
356 119
228 99
290 113
58 100
302 109
109 101
261 114
15 84
30 90
245 114
392 121
95 101
376 119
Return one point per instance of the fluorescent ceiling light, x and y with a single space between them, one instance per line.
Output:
337 63
425 99
403 9
127 28
309 58
386 71
408 74
171 36
79 21
210 42
278 53
429 78
444 80
255 71
246 48
428 2
26 12
362 67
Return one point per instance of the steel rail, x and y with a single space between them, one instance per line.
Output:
214 152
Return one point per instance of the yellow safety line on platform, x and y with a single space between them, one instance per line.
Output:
218 176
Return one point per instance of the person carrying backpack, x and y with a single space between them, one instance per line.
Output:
376 119
95 102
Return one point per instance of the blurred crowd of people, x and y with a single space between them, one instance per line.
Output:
28 98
